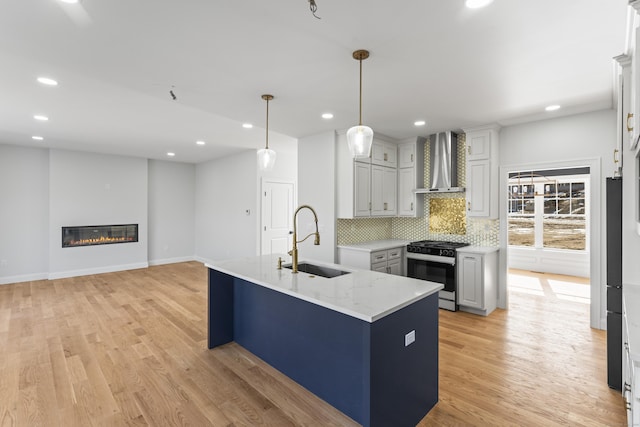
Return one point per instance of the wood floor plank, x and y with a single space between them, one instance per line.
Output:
129 349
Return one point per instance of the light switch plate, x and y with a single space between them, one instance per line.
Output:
409 338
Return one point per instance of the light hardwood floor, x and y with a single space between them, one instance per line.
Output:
129 348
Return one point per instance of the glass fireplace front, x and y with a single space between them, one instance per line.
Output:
92 235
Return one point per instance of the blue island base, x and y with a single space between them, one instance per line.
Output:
364 369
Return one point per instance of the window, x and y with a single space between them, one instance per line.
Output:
548 211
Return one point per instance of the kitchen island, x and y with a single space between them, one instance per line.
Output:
365 342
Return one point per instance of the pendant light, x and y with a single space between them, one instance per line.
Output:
360 137
266 156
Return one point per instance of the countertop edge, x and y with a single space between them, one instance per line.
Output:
376 245
367 318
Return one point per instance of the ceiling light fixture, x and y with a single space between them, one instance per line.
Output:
69 1
200 142
360 137
419 123
47 81
552 108
266 156
477 4
170 154
37 138
247 125
327 116
41 118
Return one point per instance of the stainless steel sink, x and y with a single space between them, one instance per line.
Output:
318 270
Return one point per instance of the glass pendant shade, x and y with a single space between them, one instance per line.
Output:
359 139
266 156
266 159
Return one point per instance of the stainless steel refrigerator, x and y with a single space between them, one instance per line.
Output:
614 282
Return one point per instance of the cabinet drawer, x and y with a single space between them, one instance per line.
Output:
380 256
394 253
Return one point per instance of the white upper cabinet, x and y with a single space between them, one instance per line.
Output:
384 182
482 172
384 153
366 188
410 177
479 145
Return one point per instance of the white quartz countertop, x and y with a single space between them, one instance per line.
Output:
363 294
631 307
478 249
377 245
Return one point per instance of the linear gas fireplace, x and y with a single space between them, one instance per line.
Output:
92 235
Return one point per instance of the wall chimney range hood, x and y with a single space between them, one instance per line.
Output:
443 151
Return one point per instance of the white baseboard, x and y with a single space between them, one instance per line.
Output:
100 270
172 260
23 278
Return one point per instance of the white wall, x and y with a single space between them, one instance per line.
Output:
225 190
316 187
580 140
24 206
171 211
96 189
227 208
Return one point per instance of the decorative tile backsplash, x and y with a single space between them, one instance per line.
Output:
447 216
477 232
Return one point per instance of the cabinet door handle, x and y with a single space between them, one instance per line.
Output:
385 206
629 117
469 149
411 205
615 155
379 256
412 158
468 206
386 157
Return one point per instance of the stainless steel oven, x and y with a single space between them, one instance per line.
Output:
435 261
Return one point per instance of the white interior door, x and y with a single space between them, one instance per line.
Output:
277 216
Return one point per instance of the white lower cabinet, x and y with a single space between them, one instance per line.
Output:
389 261
477 279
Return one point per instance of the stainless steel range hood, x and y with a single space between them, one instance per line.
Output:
443 150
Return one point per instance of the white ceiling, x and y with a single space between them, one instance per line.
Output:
117 60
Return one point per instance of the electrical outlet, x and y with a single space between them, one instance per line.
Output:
409 338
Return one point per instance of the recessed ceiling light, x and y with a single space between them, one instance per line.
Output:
247 125
200 142
170 154
69 1
327 116
419 123
476 4
41 118
47 81
37 138
552 108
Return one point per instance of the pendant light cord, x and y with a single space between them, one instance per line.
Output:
360 105
267 147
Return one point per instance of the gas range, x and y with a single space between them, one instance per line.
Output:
435 260
435 247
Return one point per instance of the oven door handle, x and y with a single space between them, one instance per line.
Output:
432 258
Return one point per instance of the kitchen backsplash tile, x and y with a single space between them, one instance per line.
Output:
479 232
447 215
